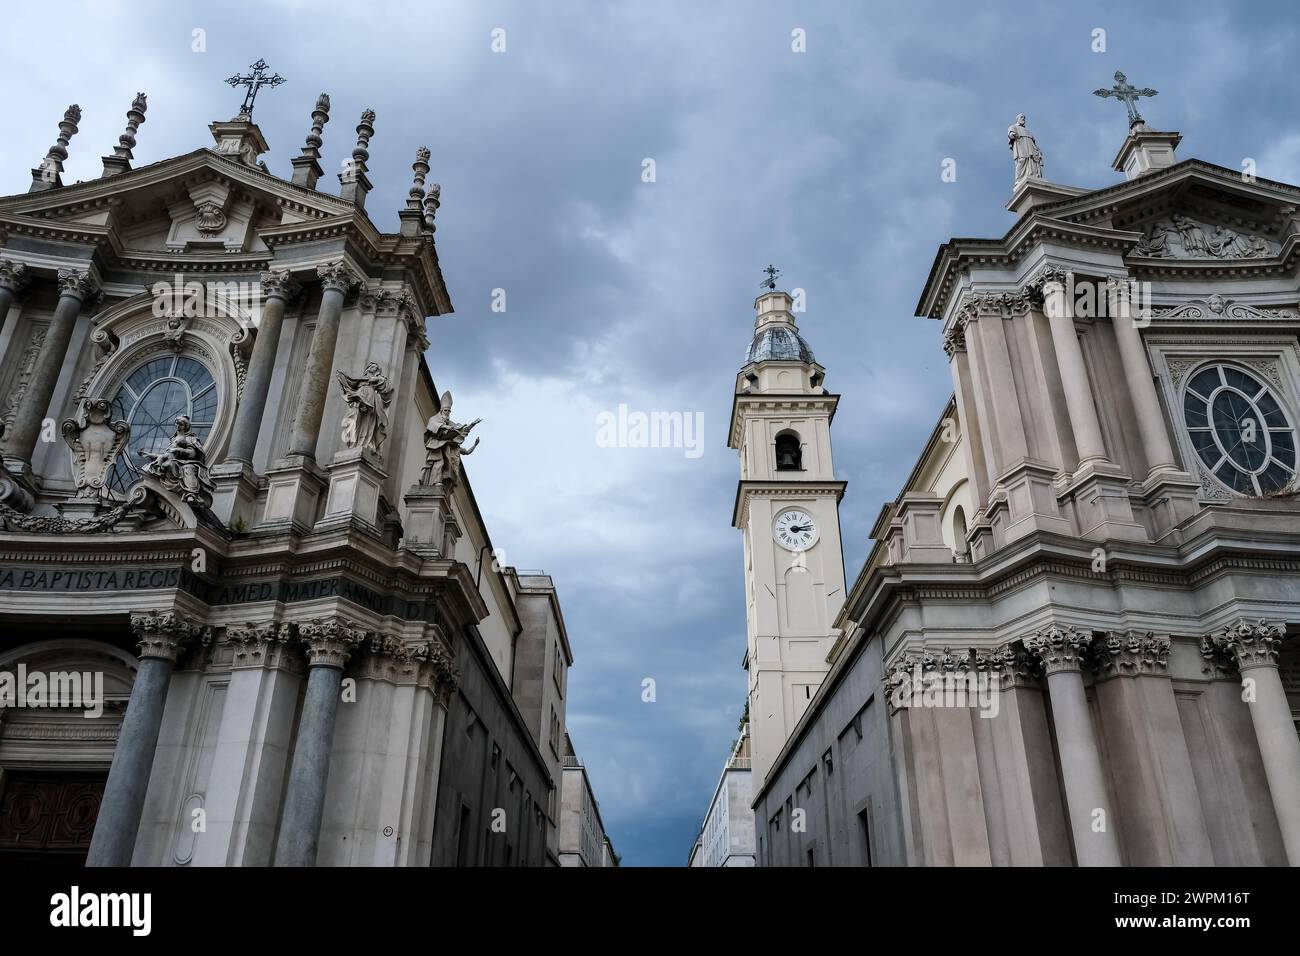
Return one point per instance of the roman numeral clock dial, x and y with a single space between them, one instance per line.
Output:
795 530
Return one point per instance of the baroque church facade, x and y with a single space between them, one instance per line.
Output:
231 489
1076 639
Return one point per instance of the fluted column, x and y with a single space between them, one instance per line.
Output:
161 635
1074 375
279 287
75 286
336 279
1254 647
14 277
1062 652
329 645
1137 373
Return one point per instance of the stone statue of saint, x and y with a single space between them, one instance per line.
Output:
365 423
183 466
443 439
1024 149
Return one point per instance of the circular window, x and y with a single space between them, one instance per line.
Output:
1239 430
150 401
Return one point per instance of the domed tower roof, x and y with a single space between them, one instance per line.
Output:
778 343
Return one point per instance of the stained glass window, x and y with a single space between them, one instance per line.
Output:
150 401
1239 430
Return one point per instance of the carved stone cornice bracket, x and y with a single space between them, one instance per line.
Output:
330 641
163 633
14 276
1249 645
1013 664
261 645
954 340
1130 654
1059 648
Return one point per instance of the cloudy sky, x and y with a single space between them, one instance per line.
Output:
619 291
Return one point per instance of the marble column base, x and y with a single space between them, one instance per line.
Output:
1171 498
1098 495
293 491
355 483
1027 503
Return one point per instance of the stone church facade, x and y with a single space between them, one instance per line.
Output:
231 489
1075 640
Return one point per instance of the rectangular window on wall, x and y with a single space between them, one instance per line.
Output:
463 839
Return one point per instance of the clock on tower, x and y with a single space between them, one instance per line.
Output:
787 508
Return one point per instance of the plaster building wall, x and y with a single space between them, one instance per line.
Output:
583 841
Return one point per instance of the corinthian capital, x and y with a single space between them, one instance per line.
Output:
77 283
279 283
1059 648
1131 654
14 276
1251 645
330 642
163 633
337 275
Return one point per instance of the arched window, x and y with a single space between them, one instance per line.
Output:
1240 430
150 401
789 452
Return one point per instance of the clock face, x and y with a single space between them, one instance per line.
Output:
794 530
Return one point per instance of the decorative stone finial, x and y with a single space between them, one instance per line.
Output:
353 178
120 161
47 175
421 169
431 203
306 168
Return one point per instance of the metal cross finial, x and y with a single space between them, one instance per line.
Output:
254 81
772 274
1126 93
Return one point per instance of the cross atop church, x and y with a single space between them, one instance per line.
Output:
254 81
1127 94
773 273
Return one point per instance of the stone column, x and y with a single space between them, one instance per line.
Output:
1255 649
1133 356
74 288
329 645
14 276
161 634
279 287
336 279
1062 651
1074 375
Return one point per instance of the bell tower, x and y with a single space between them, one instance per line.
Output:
787 508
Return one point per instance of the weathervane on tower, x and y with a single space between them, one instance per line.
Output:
773 273
1127 94
254 81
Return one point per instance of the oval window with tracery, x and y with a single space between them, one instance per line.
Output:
1240 430
151 399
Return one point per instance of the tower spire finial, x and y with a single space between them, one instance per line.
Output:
431 203
412 215
120 161
48 174
306 168
773 273
254 81
1128 94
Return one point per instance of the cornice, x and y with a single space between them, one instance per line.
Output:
749 488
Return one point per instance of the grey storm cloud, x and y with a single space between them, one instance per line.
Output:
827 163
